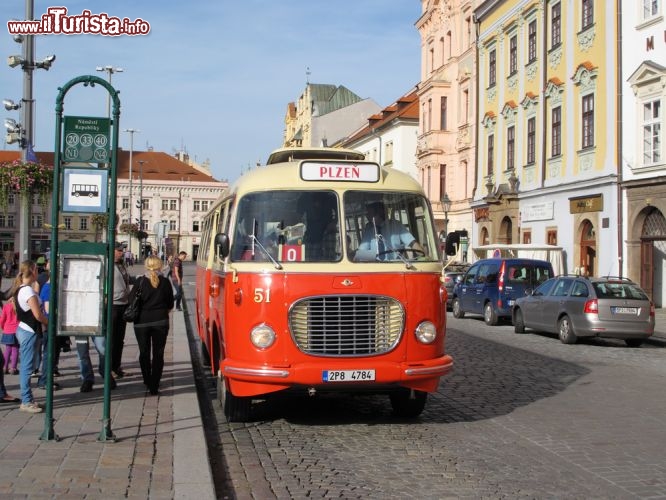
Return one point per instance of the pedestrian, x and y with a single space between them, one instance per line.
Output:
121 282
85 363
9 323
43 271
4 397
45 298
177 278
152 326
31 320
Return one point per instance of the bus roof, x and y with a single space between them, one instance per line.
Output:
287 175
292 154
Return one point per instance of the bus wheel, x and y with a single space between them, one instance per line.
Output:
236 409
408 403
205 355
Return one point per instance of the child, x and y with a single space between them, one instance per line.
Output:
8 323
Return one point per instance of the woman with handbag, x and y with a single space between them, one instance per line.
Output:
151 326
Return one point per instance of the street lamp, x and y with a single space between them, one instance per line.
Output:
131 131
446 206
110 70
141 162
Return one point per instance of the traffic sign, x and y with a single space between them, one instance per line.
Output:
86 139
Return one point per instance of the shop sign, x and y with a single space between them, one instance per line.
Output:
586 204
538 211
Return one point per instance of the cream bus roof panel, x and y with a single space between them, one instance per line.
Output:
293 154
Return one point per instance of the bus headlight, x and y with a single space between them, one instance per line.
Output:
426 333
262 336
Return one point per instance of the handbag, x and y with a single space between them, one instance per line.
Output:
133 309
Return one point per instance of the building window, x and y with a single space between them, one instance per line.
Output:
588 121
442 178
556 25
652 132
491 154
556 139
429 114
195 226
587 14
205 204
36 221
83 223
196 207
3 222
510 147
492 68
527 237
513 55
650 8
10 221
531 140
551 236
172 225
68 222
173 204
145 204
165 204
11 198
144 225
532 42
442 113
125 203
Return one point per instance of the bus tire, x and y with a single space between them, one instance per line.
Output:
408 403
205 355
235 408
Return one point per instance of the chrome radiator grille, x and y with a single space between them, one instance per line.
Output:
346 325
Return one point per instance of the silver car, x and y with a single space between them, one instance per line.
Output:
576 306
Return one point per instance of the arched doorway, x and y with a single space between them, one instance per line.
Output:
588 249
506 231
653 256
485 239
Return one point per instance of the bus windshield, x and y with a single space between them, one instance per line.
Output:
307 226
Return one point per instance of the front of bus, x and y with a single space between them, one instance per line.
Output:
334 284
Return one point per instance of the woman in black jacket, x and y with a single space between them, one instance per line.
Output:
152 326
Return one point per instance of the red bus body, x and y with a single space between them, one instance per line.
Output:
332 325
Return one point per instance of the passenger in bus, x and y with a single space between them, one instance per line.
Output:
321 228
382 235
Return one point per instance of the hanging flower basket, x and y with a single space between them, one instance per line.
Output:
25 178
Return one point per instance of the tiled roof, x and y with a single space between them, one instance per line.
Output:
157 166
406 107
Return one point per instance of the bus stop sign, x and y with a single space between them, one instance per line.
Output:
86 139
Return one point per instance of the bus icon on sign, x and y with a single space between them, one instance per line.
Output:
90 190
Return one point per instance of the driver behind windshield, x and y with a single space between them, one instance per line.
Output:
382 236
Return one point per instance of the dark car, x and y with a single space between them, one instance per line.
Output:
491 286
451 274
576 306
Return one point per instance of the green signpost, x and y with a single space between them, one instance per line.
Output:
84 180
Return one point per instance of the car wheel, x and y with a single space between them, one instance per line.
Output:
489 315
565 331
633 342
518 323
457 311
408 403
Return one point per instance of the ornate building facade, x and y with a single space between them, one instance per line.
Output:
548 140
447 96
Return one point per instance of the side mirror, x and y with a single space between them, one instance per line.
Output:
221 245
459 279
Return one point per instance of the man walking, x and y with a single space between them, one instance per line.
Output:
121 282
177 278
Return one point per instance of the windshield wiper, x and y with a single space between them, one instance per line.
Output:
256 241
389 249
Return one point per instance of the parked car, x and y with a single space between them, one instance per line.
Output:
491 286
575 306
451 274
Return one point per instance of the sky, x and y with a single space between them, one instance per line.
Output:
214 77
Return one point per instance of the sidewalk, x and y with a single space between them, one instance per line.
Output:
159 449
660 327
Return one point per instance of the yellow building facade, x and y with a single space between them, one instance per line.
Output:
547 143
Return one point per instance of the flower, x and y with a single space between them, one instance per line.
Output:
25 178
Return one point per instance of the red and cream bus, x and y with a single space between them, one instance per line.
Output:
322 272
